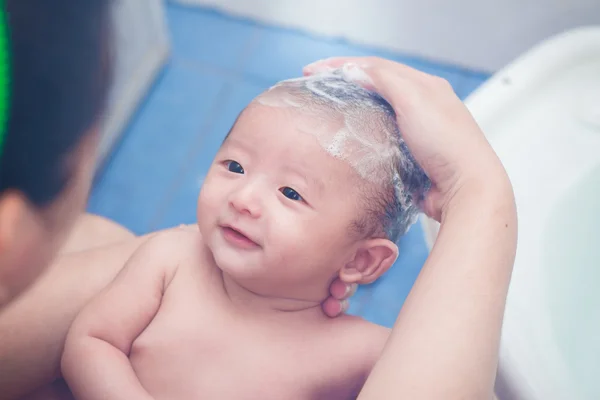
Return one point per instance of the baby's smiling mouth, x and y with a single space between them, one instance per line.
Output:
238 238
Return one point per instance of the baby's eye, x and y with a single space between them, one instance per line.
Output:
234 166
291 193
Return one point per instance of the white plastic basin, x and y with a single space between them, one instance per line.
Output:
542 116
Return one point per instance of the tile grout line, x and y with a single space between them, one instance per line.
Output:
221 99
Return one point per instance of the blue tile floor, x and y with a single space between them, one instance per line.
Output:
218 64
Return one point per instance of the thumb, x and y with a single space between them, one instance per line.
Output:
431 204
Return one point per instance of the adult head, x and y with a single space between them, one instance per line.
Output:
58 68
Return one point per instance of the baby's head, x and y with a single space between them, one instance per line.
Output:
312 182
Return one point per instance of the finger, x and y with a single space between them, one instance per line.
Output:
350 290
333 307
366 64
430 205
353 289
329 63
340 290
338 62
399 84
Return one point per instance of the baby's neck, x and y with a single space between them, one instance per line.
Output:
249 301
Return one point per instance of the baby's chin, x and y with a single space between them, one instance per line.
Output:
239 266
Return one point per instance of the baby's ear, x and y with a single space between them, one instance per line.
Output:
371 260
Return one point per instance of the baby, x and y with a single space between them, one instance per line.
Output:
313 182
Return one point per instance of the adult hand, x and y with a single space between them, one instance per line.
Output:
438 129
337 303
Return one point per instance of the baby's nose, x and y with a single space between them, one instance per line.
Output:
245 200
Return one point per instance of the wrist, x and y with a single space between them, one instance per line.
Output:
489 192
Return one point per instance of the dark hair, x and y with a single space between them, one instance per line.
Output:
60 73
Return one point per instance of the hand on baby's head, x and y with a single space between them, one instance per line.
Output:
440 131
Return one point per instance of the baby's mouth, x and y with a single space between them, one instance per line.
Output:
237 238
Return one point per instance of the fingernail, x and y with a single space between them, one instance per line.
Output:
354 73
348 290
344 304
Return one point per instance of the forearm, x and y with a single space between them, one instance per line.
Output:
96 370
445 342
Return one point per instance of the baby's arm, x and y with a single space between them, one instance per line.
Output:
95 361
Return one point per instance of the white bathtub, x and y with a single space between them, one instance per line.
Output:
542 116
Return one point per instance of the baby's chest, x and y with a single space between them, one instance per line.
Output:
211 355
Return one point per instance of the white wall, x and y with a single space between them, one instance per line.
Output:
479 34
140 49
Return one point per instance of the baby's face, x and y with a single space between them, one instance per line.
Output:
276 209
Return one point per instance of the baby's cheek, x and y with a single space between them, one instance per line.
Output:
212 187
208 201
287 235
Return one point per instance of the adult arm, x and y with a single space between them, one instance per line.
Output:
445 342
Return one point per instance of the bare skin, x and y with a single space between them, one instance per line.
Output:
88 262
238 299
93 231
138 339
80 280
445 342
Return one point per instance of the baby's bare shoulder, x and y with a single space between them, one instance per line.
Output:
182 249
164 252
172 243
